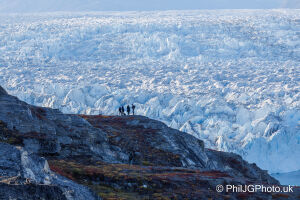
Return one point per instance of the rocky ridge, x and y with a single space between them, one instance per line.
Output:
111 157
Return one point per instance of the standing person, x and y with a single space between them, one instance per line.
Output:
128 109
120 110
133 107
123 110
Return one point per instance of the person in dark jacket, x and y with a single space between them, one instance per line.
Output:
123 110
120 110
133 107
128 109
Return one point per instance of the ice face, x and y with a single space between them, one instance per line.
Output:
230 78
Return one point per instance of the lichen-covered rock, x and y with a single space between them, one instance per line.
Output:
26 176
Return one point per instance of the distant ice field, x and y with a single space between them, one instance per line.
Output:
230 78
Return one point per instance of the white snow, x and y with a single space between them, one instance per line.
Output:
229 77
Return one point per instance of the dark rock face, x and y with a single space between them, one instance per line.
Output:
30 192
129 157
49 132
2 91
234 165
152 142
26 175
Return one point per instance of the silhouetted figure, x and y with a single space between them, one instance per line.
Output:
120 110
123 110
133 107
128 110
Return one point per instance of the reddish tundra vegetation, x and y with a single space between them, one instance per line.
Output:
153 173
115 157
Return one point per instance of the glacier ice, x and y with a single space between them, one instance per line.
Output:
231 78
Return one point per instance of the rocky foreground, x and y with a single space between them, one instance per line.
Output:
45 154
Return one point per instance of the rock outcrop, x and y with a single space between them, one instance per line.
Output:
49 132
154 143
116 157
25 175
2 91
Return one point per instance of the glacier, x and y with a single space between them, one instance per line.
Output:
228 77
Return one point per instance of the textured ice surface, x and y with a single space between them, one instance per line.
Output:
231 78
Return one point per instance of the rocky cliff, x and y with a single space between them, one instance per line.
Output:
46 154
